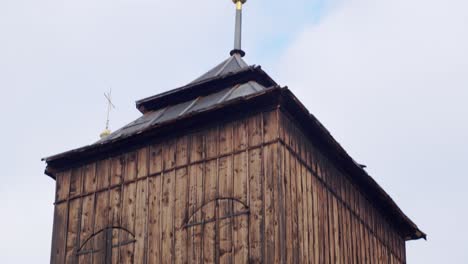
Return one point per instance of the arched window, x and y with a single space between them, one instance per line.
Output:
228 208
103 241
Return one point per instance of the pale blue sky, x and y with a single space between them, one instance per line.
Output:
388 78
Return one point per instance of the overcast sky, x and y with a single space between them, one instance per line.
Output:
388 78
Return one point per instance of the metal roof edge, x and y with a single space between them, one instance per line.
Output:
204 87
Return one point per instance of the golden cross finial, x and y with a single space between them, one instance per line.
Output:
110 105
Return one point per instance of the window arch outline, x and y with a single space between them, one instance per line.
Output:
188 223
107 233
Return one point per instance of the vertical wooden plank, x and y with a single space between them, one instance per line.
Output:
256 204
310 215
196 151
305 215
281 201
87 215
368 246
182 151
167 205
129 209
181 201
154 221
181 213
285 129
322 222
101 214
357 238
117 164
196 147
361 232
298 208
343 223
141 205
200 217
211 142
225 138
326 225
114 217
270 126
167 202
87 220
102 174
226 189
74 214
89 178
296 253
254 125
142 162
335 217
368 234
240 135
115 198
141 214
62 185
73 230
336 233
316 207
208 211
76 182
154 204
59 234
351 229
348 241
240 192
289 207
155 159
269 236
331 235
363 243
354 234
169 149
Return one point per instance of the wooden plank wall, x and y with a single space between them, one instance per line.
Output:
328 220
166 196
184 200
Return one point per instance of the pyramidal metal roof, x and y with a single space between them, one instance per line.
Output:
232 64
184 109
176 103
230 80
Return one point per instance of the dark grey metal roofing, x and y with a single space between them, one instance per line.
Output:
232 64
176 111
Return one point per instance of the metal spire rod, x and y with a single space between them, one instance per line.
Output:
238 31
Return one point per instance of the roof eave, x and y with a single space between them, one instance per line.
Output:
190 91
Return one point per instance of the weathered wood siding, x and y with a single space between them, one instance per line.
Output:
205 196
328 219
252 190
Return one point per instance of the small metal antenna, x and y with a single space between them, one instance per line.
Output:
110 106
238 31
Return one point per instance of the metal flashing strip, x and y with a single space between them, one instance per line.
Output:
189 107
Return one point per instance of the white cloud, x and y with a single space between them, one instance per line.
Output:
390 80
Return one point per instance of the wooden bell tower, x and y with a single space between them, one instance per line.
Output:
230 168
